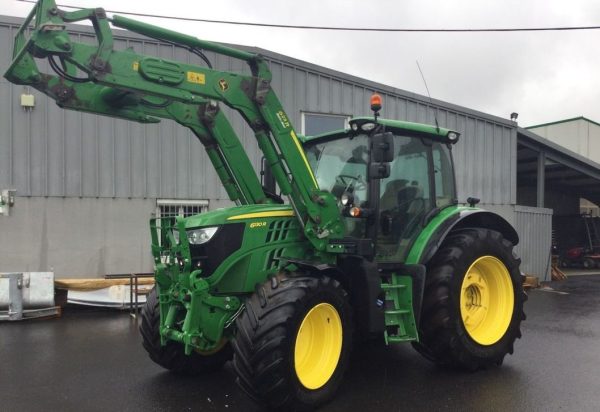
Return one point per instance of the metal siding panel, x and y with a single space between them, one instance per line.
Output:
487 165
336 97
324 94
534 226
7 36
88 155
452 121
440 114
121 43
288 98
469 159
411 111
105 156
299 97
72 153
137 160
513 165
312 92
20 149
152 161
358 96
421 113
277 80
181 137
389 106
7 105
197 168
478 162
497 159
37 150
402 109
509 165
167 155
348 99
122 156
55 160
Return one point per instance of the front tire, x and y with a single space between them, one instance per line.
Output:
473 301
293 342
172 356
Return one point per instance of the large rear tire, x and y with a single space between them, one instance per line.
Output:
473 301
293 342
172 355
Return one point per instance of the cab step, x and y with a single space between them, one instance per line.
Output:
400 325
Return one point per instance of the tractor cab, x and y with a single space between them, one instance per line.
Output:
386 196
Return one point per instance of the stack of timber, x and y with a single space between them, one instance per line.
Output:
531 282
557 274
118 293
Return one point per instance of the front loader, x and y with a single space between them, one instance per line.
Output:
370 241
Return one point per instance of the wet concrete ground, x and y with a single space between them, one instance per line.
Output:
92 361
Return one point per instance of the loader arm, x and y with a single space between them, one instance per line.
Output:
128 85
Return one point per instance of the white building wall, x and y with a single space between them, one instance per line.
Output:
77 237
580 135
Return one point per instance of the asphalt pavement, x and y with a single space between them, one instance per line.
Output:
92 360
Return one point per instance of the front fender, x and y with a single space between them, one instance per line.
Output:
432 236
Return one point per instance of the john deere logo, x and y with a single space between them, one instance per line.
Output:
223 84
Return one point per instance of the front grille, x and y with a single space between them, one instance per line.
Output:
208 256
279 230
272 261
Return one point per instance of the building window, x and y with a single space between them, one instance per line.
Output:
315 123
183 208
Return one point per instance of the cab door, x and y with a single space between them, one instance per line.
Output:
406 197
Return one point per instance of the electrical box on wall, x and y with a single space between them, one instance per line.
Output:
27 100
7 200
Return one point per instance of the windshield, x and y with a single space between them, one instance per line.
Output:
341 166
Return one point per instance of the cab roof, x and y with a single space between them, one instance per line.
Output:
417 129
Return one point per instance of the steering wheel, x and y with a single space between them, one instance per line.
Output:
348 181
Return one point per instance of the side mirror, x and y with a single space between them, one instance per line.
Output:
379 170
382 147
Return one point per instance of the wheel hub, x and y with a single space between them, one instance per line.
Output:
318 346
487 300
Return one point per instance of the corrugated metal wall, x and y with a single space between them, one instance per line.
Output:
52 152
535 231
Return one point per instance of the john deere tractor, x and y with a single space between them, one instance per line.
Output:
361 237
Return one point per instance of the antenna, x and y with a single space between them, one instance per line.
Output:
430 100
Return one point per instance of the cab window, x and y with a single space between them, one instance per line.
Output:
445 192
405 197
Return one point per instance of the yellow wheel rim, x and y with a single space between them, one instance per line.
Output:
487 300
318 346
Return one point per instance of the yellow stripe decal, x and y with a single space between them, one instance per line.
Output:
280 213
295 138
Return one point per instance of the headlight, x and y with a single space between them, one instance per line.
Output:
453 137
367 127
200 236
347 199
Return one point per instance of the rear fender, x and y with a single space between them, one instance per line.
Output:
465 218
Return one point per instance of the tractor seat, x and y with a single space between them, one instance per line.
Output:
389 199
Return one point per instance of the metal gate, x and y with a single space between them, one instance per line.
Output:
534 226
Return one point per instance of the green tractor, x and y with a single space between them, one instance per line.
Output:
371 243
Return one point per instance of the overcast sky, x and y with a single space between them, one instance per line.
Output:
544 76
